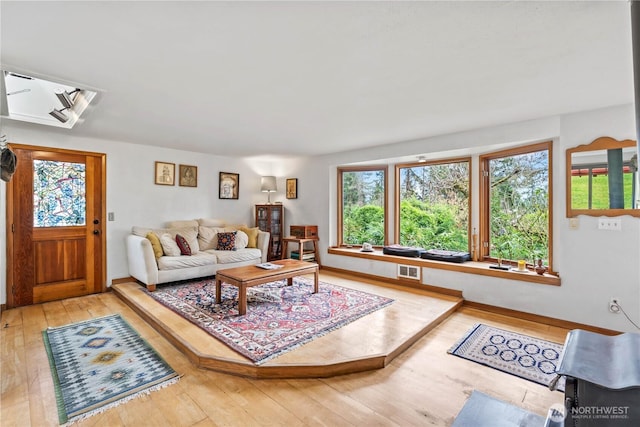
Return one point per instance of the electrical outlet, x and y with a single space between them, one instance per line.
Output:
613 224
614 305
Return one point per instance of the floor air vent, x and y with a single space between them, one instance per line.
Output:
408 272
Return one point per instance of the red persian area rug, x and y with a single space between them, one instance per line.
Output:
279 317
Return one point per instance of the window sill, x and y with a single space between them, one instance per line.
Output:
470 267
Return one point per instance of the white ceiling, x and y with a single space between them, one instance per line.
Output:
309 78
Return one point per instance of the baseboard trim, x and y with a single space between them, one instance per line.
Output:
523 315
551 321
123 280
406 283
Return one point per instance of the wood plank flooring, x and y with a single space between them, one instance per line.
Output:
381 336
422 386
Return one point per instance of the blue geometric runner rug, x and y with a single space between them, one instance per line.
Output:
99 363
516 354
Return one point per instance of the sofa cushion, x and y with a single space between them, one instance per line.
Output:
227 257
177 262
210 222
208 237
189 233
169 245
143 231
227 241
234 227
241 239
155 244
252 235
182 224
185 249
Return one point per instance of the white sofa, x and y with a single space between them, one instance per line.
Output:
205 259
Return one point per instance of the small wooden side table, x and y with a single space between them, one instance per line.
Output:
300 242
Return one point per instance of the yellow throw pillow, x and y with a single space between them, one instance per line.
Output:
155 244
253 236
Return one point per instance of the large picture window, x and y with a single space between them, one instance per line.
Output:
433 200
516 204
362 205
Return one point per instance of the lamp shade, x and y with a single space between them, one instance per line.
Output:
268 184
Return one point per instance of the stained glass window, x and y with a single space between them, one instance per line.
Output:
58 193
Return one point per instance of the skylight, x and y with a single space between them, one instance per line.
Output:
30 99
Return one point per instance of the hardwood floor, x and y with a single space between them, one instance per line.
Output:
422 386
380 336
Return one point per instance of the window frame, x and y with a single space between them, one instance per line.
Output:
399 166
364 168
484 194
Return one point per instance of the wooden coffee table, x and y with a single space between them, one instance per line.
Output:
250 275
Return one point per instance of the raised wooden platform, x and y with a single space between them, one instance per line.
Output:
371 342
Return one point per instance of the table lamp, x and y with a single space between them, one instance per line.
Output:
268 185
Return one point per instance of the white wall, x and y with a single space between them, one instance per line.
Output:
134 198
594 265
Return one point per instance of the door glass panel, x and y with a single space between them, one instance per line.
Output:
59 192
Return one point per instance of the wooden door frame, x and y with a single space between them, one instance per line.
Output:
10 219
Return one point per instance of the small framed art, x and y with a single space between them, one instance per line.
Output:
229 185
165 173
188 176
292 188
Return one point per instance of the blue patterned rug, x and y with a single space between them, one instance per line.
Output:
100 363
516 354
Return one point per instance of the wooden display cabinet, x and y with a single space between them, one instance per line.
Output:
270 218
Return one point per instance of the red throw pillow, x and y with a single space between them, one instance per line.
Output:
185 249
227 241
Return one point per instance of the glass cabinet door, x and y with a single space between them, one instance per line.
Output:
270 218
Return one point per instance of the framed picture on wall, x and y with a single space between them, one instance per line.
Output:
165 173
292 188
188 176
229 185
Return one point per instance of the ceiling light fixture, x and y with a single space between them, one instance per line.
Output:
422 159
58 114
65 97
38 100
66 101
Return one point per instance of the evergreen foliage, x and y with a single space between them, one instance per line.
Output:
435 211
519 207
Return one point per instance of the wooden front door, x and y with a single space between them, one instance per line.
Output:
55 242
